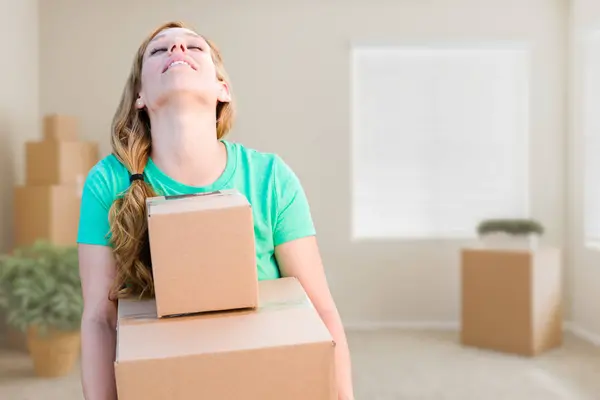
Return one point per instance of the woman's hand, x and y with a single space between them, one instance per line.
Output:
301 259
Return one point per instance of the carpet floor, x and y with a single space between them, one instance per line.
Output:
398 365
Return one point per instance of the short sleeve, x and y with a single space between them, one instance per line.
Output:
96 200
293 215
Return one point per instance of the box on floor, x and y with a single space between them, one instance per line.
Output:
512 300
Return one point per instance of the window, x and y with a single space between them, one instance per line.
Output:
591 139
439 139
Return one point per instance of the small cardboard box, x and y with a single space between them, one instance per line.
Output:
46 212
58 127
203 252
512 300
282 350
57 163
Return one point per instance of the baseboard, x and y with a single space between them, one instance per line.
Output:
584 334
402 325
361 326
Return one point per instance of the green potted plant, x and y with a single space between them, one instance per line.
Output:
41 292
510 232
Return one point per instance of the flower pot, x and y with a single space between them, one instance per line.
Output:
55 353
500 241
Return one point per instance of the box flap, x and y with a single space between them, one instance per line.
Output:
285 317
195 202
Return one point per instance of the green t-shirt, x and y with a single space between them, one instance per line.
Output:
280 209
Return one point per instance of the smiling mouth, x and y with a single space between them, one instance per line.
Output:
176 64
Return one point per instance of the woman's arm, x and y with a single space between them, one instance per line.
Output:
98 324
301 258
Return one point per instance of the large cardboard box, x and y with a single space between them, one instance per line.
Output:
282 350
55 162
46 212
512 300
58 127
203 252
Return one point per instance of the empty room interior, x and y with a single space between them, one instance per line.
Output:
446 152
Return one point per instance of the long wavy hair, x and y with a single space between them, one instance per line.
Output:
131 144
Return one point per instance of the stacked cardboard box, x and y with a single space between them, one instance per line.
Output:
213 331
47 205
512 300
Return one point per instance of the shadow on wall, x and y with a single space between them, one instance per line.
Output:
7 182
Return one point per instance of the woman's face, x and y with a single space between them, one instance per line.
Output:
178 63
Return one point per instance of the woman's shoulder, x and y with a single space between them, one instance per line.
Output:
269 168
258 161
105 182
107 178
250 154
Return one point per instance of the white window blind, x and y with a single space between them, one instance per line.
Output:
440 139
591 139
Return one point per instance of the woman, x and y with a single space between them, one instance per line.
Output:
167 139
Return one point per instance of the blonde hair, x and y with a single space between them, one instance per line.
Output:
131 144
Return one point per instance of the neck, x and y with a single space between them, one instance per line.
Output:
185 145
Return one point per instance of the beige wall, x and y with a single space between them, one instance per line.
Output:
19 98
19 111
585 16
289 61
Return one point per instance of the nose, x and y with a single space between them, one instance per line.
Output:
178 45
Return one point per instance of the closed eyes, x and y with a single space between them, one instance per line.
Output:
162 49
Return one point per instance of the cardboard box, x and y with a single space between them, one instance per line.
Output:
57 127
56 163
512 300
46 212
203 252
282 350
